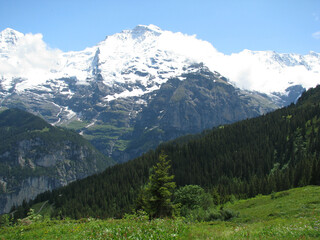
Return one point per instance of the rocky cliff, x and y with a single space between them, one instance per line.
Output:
191 103
35 157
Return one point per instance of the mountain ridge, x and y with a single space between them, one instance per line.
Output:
152 44
103 91
36 157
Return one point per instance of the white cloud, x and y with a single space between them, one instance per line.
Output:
260 71
186 45
263 71
30 58
316 35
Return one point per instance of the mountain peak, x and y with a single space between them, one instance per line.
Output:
9 32
9 37
141 30
150 55
144 28
149 27
315 54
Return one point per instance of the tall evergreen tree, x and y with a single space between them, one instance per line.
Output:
159 190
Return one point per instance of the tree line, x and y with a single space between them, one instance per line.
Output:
274 152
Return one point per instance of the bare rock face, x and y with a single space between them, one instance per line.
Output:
36 157
190 104
29 188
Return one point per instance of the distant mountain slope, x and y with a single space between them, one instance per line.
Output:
36 157
105 90
124 128
277 151
201 100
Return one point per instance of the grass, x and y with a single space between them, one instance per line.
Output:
96 229
76 125
44 130
108 128
292 214
44 208
102 133
272 229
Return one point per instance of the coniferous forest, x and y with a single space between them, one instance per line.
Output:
274 152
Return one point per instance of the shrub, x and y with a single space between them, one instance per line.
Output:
31 218
192 197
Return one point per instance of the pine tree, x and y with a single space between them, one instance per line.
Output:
159 190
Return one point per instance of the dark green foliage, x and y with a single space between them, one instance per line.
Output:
274 152
190 196
158 192
211 214
195 204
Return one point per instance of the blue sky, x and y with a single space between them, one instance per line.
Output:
230 26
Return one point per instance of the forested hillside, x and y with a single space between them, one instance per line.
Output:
277 151
36 157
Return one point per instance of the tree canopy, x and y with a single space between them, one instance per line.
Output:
157 197
274 152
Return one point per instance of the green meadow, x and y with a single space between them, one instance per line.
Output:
291 214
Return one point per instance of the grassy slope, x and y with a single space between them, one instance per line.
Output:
292 214
102 134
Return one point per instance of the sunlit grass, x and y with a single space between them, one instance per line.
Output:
293 214
96 229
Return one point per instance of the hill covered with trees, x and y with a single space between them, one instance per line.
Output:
274 152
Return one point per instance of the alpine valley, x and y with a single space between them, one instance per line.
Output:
140 87
112 102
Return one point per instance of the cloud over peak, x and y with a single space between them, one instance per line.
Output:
28 57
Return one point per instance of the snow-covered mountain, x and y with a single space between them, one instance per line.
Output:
149 56
143 56
268 71
105 90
